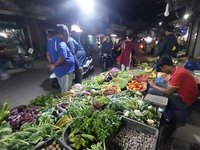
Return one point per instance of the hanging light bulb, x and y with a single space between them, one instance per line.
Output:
167 11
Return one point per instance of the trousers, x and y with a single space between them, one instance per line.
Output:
174 99
65 82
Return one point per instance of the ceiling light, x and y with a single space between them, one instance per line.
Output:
186 16
113 35
160 23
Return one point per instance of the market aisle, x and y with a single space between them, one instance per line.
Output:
27 85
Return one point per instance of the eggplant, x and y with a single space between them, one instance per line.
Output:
106 80
109 77
64 104
60 108
56 113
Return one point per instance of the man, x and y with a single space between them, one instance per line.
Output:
192 64
60 58
181 88
168 43
78 52
107 46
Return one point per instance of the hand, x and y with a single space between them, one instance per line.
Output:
80 69
141 51
51 67
151 83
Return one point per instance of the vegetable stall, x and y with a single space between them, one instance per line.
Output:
86 117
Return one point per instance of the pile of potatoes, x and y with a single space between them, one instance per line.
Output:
53 146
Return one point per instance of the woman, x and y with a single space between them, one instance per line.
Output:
126 54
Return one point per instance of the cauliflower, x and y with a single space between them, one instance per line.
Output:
138 113
126 114
151 122
150 107
140 102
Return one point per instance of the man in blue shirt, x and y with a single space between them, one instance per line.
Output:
192 64
60 57
78 51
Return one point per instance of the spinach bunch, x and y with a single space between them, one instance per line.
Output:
29 136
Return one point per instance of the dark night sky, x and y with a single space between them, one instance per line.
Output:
146 10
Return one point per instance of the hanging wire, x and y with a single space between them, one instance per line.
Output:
159 2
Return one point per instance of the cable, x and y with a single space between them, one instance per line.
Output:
160 1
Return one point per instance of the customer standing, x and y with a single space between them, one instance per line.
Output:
78 51
168 43
126 54
60 58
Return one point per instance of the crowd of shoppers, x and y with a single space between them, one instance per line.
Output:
66 55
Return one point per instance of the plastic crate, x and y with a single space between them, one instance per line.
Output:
134 125
49 142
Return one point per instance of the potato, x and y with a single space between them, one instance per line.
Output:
51 147
54 143
59 148
57 145
47 148
43 149
54 148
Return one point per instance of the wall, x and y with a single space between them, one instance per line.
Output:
197 46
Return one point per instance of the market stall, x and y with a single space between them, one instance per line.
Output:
109 108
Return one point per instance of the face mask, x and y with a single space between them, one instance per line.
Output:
107 40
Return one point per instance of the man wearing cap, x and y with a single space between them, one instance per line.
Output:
78 51
60 57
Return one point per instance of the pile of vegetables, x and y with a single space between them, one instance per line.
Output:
124 75
44 100
82 97
132 140
19 116
95 106
88 127
136 86
119 82
91 84
27 137
54 146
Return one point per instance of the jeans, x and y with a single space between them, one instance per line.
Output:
78 76
174 99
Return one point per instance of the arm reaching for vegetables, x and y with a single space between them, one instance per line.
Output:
169 90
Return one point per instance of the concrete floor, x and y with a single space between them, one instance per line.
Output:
25 85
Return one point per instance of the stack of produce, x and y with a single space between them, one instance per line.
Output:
21 115
130 105
136 86
88 127
132 140
27 137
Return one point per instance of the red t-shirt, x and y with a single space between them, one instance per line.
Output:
186 83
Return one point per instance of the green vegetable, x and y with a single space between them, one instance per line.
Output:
29 136
4 112
44 100
101 99
88 137
84 98
94 92
100 80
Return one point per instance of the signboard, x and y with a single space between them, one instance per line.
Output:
8 23
109 31
118 27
